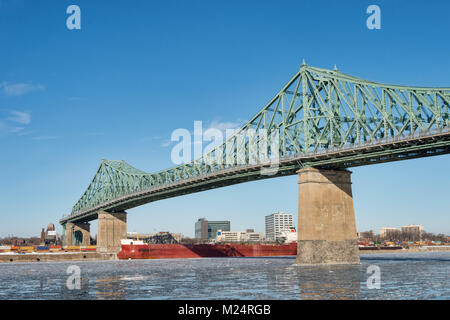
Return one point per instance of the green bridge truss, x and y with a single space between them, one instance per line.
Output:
323 118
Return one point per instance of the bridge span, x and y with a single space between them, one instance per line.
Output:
325 122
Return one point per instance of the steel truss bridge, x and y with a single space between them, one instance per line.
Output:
325 119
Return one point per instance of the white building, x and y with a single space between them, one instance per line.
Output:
384 232
239 236
276 223
413 230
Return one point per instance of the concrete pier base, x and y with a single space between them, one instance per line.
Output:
76 232
326 218
68 234
112 227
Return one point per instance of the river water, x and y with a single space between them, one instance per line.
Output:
379 276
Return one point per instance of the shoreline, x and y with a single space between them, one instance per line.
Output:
56 257
409 250
94 256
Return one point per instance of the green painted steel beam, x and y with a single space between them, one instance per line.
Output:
324 119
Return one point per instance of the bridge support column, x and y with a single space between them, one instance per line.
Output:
112 227
326 218
78 233
68 236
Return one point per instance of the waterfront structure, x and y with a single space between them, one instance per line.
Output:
276 223
413 232
239 236
205 229
319 124
364 235
49 236
388 232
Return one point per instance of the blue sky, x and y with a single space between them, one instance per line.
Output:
137 70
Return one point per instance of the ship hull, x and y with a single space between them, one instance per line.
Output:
173 251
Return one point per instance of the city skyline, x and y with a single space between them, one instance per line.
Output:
379 231
70 98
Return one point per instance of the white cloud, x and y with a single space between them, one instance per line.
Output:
20 117
152 138
45 138
16 129
224 125
74 99
94 134
166 143
214 124
9 125
6 128
3 127
18 89
24 133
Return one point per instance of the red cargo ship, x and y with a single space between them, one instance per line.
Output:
140 250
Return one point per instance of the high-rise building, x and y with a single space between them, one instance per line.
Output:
413 232
388 232
201 229
205 229
276 222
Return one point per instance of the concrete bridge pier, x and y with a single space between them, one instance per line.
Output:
112 227
326 218
78 233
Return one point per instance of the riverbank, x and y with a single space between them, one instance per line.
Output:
60 256
409 250
95 256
